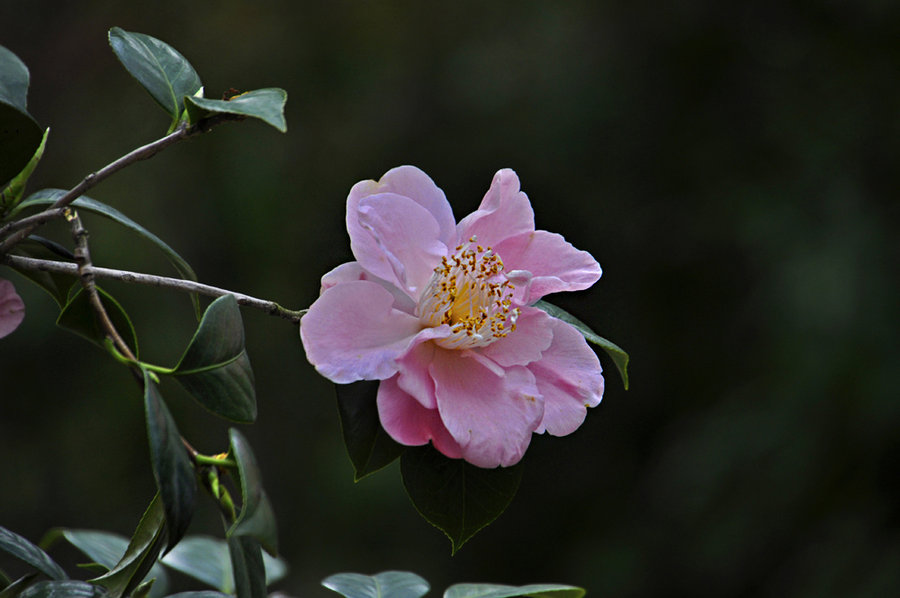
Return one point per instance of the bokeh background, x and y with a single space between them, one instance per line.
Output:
733 167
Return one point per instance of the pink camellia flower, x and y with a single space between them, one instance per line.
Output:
12 309
439 312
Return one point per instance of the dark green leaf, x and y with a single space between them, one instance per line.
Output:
256 519
14 589
49 196
63 589
265 104
455 496
207 560
22 549
488 590
10 196
215 368
368 445
387 584
106 549
57 285
171 464
79 317
163 72
20 135
619 357
147 542
248 568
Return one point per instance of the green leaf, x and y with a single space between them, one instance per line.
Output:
79 317
248 568
256 518
145 545
10 196
12 590
387 584
455 496
265 104
207 560
49 197
215 367
62 589
619 357
163 72
20 135
17 546
171 464
489 590
106 549
368 445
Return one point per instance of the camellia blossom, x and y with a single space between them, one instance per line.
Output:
440 312
12 309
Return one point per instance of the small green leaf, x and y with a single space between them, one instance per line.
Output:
17 546
619 357
106 549
79 317
20 135
256 518
207 560
46 197
248 568
455 496
368 445
489 590
12 194
63 589
265 104
171 464
163 72
215 368
387 584
147 542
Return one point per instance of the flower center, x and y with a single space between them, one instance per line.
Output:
470 293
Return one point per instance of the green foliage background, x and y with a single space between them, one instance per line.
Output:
732 169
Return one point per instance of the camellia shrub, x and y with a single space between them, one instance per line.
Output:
444 353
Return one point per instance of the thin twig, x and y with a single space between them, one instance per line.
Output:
141 153
270 307
35 219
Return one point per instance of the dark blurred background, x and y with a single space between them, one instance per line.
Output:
732 167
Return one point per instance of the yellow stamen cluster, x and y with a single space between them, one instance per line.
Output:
470 293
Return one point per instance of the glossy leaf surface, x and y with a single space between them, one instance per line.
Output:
162 70
256 519
207 559
20 548
20 135
616 353
171 464
455 496
489 590
62 589
106 549
369 447
387 584
266 105
79 317
215 368
144 547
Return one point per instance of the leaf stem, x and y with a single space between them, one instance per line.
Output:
179 284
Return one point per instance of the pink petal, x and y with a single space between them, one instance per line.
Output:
352 271
12 308
414 378
409 182
532 335
351 333
490 416
409 423
406 235
504 212
570 379
555 265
